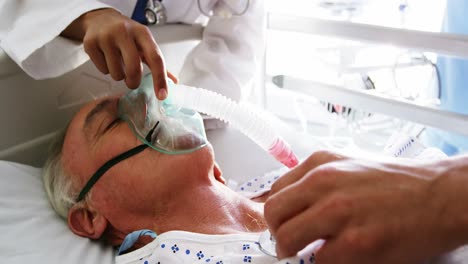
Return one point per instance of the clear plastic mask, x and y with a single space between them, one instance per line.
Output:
164 127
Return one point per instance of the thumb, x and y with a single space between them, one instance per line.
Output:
172 77
318 158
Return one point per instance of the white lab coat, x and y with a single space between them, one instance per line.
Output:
229 55
224 61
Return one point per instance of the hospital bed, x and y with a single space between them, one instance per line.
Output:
32 112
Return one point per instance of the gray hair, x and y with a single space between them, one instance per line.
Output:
58 185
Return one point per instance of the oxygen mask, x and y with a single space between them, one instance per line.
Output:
165 127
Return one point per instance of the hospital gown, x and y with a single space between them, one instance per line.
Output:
187 247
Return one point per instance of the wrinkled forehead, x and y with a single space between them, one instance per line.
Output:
76 151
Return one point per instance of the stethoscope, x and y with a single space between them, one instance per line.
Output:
241 13
155 12
267 244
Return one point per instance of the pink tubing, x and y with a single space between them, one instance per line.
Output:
250 121
283 153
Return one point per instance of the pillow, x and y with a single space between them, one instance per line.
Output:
31 232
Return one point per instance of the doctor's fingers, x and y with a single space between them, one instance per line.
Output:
358 246
96 55
154 59
333 251
297 197
131 60
113 58
172 77
313 161
103 50
323 220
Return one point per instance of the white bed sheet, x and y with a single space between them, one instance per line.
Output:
31 232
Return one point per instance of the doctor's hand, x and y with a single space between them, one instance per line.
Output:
118 45
368 212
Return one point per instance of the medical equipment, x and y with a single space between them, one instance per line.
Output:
267 243
164 127
180 130
155 13
226 9
247 119
42 237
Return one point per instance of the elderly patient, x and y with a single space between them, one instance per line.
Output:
182 198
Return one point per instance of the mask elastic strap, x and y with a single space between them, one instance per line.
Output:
107 166
97 175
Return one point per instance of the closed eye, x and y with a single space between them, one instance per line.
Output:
113 124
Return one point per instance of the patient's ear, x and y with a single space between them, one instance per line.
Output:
86 223
218 173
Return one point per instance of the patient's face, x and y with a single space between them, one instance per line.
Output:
96 135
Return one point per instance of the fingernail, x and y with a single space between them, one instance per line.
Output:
162 94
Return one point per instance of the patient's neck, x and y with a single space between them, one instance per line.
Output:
212 209
207 209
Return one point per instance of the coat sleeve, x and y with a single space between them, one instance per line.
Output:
229 55
29 33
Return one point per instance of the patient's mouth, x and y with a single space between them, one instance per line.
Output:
189 141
